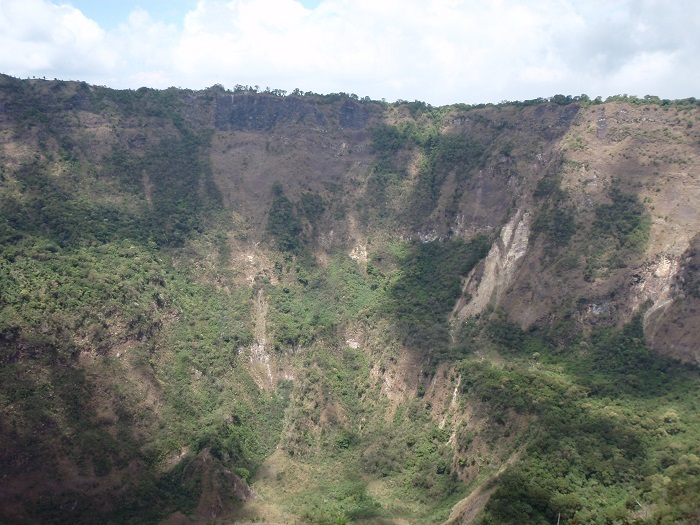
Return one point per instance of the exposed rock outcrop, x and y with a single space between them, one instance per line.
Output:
498 268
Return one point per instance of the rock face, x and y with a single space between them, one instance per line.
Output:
260 113
671 323
499 267
243 112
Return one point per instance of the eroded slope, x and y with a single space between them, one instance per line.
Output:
371 313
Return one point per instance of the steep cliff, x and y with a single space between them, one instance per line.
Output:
369 312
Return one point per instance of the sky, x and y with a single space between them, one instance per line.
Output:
437 51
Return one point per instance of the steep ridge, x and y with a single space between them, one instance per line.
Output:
369 312
652 152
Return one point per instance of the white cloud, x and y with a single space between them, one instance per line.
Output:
440 51
145 52
40 38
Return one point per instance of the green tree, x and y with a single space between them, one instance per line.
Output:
282 222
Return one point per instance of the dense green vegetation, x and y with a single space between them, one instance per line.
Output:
68 299
606 412
60 302
556 218
282 222
620 230
443 155
424 290
624 221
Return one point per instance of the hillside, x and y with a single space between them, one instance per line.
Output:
233 307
